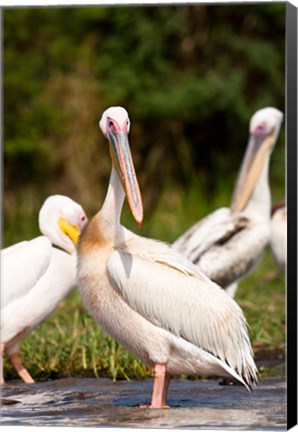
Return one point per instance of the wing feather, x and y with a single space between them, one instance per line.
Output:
161 252
214 229
194 309
22 265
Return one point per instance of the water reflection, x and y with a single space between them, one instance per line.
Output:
194 404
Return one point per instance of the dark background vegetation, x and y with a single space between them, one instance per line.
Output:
190 76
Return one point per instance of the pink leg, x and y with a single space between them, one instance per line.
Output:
1 363
21 370
160 386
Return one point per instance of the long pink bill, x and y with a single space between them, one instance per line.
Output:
124 164
251 167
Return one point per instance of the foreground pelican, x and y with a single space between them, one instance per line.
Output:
227 244
149 297
36 276
278 239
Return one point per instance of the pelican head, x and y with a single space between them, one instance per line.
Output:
115 126
61 219
263 132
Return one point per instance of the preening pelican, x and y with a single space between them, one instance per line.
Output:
35 276
148 296
278 239
227 244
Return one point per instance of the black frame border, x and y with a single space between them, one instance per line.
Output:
291 147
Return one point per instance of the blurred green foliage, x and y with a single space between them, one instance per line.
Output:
190 76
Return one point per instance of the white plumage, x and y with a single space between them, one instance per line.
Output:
227 244
148 296
278 239
35 276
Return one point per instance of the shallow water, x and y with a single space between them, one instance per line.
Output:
103 403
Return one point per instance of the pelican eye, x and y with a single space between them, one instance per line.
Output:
260 129
82 220
111 127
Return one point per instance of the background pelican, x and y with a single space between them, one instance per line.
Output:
148 296
278 239
35 276
227 244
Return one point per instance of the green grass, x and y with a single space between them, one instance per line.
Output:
262 297
70 343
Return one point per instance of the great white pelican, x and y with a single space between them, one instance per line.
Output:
148 296
35 276
229 243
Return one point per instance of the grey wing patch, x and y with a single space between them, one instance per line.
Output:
215 230
238 224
